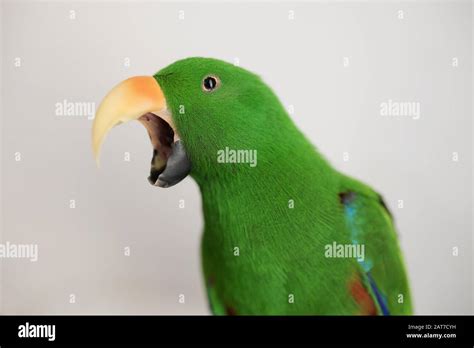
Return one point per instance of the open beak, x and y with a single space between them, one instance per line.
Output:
141 98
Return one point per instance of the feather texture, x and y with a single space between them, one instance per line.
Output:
267 227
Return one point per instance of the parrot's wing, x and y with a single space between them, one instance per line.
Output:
382 271
215 304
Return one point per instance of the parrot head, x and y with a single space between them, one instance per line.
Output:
192 109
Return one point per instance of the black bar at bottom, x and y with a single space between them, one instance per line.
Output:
446 330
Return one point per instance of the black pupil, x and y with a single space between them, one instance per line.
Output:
210 83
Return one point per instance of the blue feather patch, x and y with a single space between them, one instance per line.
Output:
380 298
350 210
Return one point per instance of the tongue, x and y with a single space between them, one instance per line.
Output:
169 164
158 164
177 167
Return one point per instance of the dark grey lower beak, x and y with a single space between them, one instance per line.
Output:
177 167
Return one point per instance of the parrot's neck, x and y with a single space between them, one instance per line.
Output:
263 207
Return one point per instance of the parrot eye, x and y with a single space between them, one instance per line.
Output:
210 83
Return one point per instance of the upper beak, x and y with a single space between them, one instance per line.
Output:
141 98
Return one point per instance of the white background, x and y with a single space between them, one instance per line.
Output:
81 250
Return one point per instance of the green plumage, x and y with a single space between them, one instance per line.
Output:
267 227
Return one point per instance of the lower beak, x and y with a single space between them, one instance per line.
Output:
141 98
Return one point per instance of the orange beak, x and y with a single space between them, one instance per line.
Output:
141 98
127 101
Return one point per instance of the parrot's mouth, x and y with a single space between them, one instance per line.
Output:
161 137
141 98
169 164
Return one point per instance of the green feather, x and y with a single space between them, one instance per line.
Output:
266 227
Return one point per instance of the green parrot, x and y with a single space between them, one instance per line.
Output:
284 232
